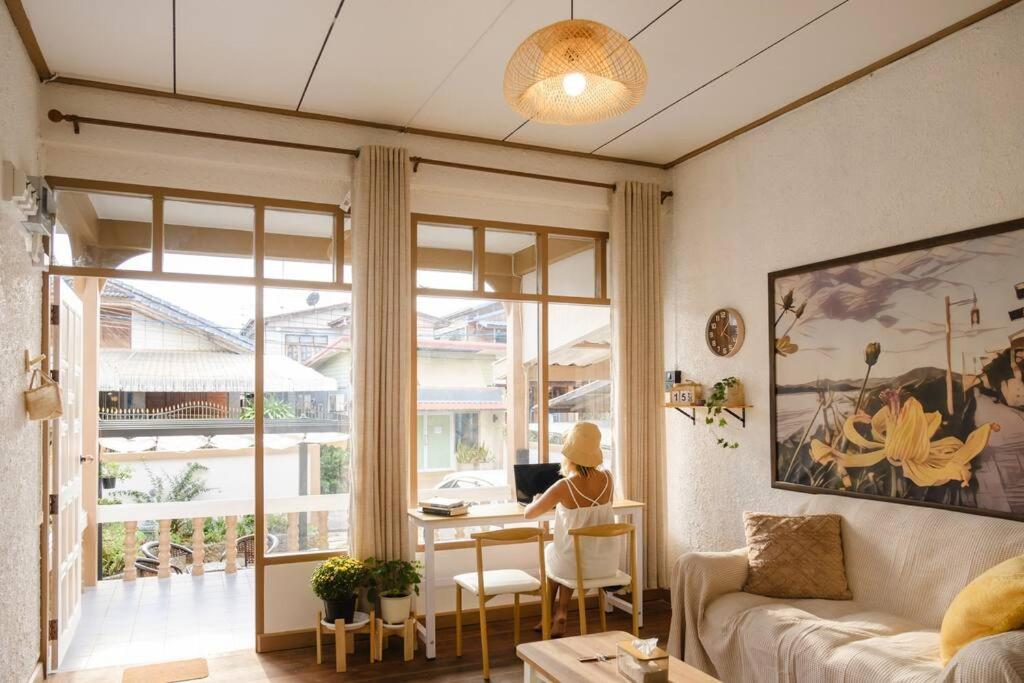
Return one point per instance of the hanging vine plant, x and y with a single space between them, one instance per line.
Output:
716 402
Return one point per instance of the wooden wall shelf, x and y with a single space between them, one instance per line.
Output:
740 416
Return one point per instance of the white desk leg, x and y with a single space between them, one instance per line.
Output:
639 516
429 580
530 675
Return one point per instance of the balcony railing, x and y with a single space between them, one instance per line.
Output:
200 410
203 418
231 510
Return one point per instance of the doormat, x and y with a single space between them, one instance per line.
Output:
167 672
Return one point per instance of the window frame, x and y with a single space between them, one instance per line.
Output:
542 298
259 283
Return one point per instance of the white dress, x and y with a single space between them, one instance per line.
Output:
600 555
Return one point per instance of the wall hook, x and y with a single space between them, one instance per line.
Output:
32 361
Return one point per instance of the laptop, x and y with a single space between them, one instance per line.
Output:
533 479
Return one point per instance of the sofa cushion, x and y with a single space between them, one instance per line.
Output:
752 637
992 603
795 557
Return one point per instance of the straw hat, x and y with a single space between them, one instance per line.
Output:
582 445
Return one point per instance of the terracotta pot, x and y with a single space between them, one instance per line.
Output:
734 395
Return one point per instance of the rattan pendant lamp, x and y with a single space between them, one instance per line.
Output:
574 71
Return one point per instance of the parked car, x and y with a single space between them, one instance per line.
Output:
472 479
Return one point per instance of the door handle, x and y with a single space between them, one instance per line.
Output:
86 458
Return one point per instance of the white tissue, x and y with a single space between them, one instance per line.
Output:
645 645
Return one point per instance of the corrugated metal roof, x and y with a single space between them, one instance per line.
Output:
182 317
188 371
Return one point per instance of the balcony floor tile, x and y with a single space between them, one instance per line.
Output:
152 620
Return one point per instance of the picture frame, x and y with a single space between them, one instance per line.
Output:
896 293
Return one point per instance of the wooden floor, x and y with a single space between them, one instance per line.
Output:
300 665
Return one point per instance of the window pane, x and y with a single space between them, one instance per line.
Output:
298 245
579 374
173 373
509 256
444 257
103 230
474 362
571 270
307 398
206 237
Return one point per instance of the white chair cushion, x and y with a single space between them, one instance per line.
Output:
621 578
498 581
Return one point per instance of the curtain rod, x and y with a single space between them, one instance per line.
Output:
76 121
56 116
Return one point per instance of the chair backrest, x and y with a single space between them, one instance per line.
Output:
513 535
603 531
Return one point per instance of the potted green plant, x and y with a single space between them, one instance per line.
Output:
337 582
469 456
393 582
725 393
110 472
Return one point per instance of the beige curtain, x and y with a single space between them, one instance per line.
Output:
381 350
638 363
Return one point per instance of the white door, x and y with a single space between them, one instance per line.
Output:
65 589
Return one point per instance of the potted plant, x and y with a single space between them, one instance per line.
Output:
110 472
394 581
336 582
725 393
472 456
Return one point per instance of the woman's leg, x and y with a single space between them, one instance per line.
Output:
552 592
561 611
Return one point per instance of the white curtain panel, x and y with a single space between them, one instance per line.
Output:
382 349
638 363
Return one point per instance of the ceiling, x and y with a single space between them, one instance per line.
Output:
714 65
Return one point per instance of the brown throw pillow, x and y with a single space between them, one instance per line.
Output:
795 557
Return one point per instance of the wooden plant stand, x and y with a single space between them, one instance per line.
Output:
406 631
344 637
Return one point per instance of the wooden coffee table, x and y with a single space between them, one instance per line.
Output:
558 660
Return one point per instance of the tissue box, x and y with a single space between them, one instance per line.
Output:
640 668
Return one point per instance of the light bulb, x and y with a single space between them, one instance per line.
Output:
574 83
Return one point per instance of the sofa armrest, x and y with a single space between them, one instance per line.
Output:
697 579
995 658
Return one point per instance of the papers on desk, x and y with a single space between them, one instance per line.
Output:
444 507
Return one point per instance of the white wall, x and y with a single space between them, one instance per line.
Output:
929 145
19 312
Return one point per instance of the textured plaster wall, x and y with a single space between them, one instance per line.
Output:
19 330
929 145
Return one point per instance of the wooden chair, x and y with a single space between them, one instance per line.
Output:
581 585
489 584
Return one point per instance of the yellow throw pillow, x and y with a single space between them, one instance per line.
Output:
991 604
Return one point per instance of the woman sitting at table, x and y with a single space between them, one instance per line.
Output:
582 498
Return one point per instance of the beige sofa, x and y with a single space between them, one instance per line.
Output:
904 565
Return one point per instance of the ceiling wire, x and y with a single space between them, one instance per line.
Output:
459 63
722 75
319 54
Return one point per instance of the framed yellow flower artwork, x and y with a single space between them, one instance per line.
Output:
898 374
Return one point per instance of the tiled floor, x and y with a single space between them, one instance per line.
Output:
152 620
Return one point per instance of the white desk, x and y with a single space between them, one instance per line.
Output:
498 515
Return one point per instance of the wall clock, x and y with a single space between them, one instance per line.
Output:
724 332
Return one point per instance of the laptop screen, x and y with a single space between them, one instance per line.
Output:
534 479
